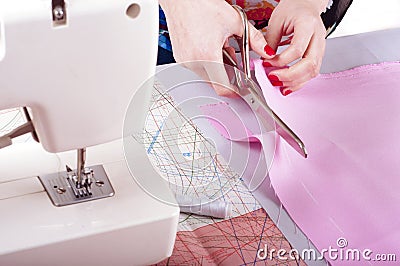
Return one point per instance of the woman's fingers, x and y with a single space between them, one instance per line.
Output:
299 44
198 68
219 79
286 41
258 43
199 31
274 31
302 21
213 73
295 76
232 54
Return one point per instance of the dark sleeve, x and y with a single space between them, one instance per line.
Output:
335 14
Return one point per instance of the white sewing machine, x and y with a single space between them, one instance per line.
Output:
76 65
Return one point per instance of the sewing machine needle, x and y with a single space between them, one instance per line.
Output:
81 166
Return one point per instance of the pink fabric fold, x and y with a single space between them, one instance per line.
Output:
349 187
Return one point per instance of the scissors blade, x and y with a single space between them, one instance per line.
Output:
251 94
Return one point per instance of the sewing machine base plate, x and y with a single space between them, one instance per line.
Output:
62 191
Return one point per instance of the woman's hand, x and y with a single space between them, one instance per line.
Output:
302 19
199 30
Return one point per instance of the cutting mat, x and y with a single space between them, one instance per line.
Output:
199 171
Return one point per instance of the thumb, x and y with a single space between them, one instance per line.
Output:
258 43
275 32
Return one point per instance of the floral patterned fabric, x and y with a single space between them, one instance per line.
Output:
257 11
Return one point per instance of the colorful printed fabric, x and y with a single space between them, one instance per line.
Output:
163 34
257 11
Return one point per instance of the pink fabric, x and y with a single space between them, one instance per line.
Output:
232 128
349 187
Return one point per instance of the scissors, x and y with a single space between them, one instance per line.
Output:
251 93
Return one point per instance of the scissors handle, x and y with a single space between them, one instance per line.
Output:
244 41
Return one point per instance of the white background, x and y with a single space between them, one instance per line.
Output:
369 15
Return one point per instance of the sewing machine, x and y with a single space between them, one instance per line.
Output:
74 66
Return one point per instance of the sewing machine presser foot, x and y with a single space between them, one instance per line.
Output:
72 187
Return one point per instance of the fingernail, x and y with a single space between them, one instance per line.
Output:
268 50
286 92
277 83
266 64
273 78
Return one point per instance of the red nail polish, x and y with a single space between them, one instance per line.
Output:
266 64
268 50
286 92
273 78
277 83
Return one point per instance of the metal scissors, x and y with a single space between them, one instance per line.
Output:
251 93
